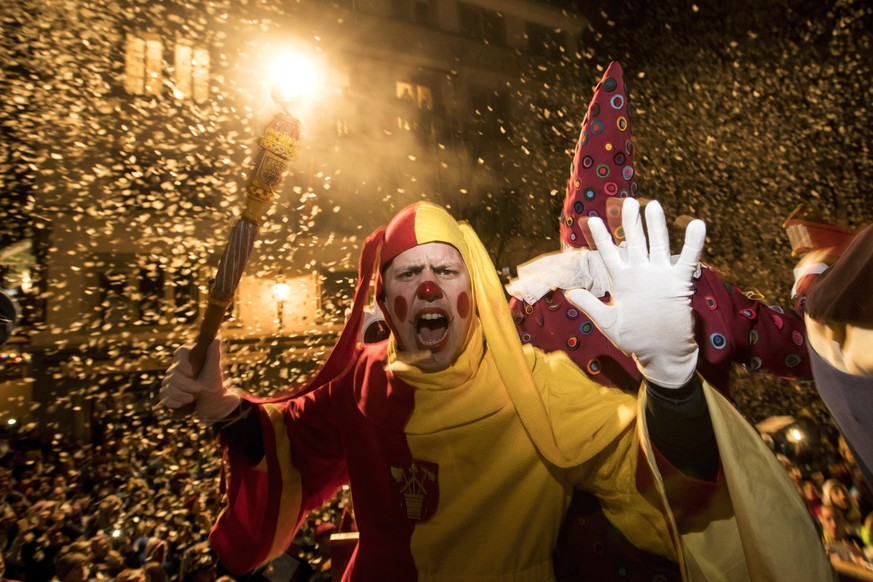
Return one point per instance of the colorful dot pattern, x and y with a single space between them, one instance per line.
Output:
602 172
731 329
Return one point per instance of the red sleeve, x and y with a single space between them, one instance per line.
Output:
303 465
689 498
733 326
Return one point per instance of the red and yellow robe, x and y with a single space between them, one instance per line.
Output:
448 485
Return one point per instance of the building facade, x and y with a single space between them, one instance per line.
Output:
131 130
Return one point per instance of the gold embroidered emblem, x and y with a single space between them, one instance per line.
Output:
418 486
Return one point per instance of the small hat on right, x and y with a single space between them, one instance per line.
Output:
602 173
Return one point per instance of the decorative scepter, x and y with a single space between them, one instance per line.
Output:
278 146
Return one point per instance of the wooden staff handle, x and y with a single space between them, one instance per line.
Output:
279 145
208 331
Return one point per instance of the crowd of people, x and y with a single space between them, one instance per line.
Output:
137 504
842 503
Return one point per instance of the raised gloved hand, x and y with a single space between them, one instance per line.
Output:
212 400
650 317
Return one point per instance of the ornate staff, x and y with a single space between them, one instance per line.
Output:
278 146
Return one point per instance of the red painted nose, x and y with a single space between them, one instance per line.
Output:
429 291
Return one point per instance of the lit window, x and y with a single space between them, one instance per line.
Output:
191 72
413 99
143 58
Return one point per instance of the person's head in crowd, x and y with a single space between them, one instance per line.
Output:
811 495
835 494
130 575
155 550
72 567
833 524
792 469
845 451
200 573
155 572
100 547
818 477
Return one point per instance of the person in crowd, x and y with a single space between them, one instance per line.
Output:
837 541
105 561
732 327
834 292
129 575
836 495
456 438
72 567
155 572
812 496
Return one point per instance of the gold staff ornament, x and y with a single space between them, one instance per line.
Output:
279 145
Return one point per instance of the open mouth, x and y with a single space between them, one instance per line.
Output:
431 329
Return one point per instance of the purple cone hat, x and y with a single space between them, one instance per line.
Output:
602 173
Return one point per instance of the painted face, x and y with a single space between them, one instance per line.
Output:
428 298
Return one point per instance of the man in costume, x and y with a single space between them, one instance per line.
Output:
730 326
463 448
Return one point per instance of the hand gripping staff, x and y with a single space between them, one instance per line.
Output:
278 146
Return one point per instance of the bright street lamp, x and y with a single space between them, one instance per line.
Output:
281 292
293 78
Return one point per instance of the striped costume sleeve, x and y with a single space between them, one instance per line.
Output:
302 467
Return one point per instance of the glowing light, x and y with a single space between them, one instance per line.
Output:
794 435
26 281
11 421
116 533
293 77
281 291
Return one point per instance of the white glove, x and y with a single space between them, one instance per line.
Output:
212 400
650 317
569 269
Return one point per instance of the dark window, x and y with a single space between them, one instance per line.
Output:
400 9
544 41
140 291
151 294
481 24
490 113
115 302
549 121
423 11
185 296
